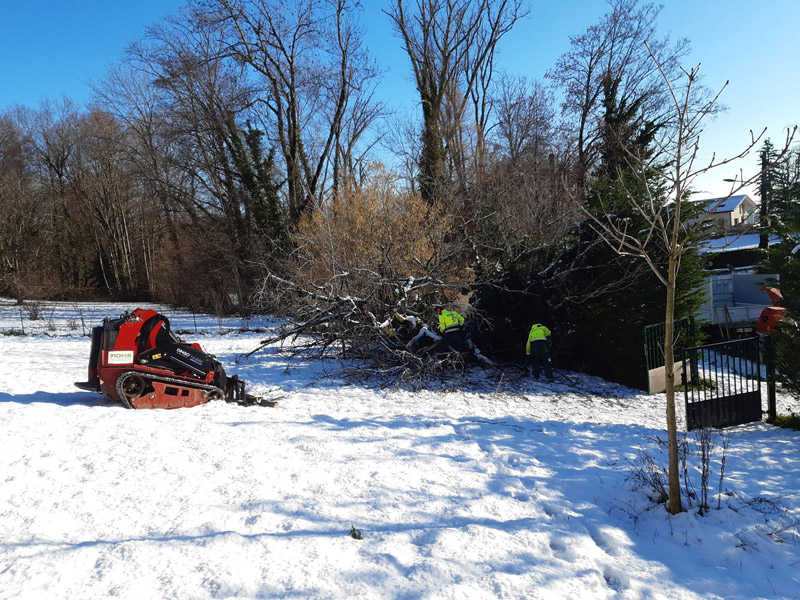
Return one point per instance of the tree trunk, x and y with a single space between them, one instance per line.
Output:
669 366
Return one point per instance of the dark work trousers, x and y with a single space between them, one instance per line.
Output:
453 340
540 357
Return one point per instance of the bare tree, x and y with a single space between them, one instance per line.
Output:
154 137
103 188
612 51
402 139
658 195
451 46
529 161
23 239
213 169
525 118
317 86
52 133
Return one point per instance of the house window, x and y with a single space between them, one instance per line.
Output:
736 221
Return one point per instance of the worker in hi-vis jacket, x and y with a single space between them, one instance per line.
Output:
451 326
538 351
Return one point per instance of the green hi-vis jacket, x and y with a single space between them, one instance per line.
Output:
448 319
538 332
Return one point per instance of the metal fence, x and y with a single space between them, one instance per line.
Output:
654 350
724 386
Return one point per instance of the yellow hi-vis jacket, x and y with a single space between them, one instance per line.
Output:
449 319
537 332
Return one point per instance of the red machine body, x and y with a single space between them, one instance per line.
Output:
137 360
772 315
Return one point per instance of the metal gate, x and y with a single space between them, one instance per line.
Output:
725 386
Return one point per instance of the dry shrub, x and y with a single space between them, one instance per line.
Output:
369 241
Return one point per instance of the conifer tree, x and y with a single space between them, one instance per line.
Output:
784 259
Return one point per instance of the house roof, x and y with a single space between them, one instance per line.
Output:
726 204
748 241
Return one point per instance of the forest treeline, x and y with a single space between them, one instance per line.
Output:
237 159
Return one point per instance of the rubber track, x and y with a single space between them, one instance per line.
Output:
178 382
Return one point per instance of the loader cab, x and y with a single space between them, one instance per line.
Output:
134 333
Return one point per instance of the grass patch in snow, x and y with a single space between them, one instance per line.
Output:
791 421
12 332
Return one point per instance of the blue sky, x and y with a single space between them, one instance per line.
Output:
54 47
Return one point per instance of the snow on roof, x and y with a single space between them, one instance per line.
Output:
723 204
748 241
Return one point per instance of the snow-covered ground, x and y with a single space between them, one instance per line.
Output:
513 489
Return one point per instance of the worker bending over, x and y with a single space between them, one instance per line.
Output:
538 351
451 326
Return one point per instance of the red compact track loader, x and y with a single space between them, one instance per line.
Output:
138 361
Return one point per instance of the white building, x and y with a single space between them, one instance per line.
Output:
731 212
